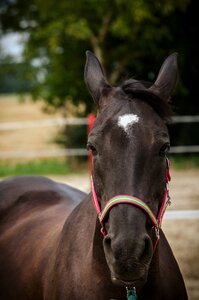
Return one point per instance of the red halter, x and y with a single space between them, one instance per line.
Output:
120 199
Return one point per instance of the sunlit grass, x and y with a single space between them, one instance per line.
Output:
181 162
39 167
72 165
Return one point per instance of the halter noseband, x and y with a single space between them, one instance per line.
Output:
121 199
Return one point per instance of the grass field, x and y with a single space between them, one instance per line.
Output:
57 166
38 167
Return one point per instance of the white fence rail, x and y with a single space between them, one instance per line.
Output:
73 121
43 153
181 215
185 119
42 123
184 149
76 152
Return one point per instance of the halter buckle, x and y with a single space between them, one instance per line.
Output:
157 232
168 199
103 231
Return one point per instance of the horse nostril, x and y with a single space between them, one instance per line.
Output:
107 241
108 245
147 249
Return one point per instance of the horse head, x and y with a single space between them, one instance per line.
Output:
129 142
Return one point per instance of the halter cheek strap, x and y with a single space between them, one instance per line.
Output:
127 199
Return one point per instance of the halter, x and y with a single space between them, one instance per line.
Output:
127 199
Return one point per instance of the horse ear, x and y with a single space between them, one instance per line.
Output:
167 77
94 76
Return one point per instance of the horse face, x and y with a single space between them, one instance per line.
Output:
129 141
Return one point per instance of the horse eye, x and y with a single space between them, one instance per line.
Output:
164 149
91 148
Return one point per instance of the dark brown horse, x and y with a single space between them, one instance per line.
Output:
51 246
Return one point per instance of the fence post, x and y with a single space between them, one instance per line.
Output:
90 121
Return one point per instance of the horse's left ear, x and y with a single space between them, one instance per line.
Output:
94 77
167 77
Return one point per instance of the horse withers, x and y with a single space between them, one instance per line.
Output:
53 246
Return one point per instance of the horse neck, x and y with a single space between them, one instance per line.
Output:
99 261
81 244
82 227
81 233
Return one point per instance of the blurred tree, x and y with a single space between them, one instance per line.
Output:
127 36
131 38
13 77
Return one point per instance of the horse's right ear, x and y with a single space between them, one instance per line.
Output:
94 76
166 80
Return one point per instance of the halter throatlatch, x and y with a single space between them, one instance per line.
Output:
127 199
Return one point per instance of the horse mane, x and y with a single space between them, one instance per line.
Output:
137 89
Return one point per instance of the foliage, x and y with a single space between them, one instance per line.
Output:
13 77
74 137
129 37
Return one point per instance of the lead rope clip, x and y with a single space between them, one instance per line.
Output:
131 294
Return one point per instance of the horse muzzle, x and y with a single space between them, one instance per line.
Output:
128 260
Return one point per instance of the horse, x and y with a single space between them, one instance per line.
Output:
56 242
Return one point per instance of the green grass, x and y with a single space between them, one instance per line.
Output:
186 162
63 167
40 167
